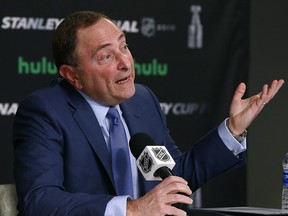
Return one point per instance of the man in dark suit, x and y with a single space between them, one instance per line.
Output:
61 133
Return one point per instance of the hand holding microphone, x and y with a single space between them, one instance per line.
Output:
155 163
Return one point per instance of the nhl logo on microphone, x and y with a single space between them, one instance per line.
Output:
145 162
151 159
161 154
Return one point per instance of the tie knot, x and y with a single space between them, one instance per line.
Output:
113 115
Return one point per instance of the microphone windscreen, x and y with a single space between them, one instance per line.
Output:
138 142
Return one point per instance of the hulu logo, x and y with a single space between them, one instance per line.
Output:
43 66
152 68
36 68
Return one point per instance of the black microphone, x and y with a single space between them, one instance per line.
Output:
153 161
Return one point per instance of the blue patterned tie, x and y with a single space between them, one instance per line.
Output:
120 155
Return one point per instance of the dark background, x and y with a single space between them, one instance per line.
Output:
243 41
268 134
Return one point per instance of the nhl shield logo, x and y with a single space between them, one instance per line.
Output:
146 162
161 154
148 26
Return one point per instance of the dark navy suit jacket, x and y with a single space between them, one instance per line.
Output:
62 166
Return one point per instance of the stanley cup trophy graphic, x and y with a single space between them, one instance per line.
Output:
195 29
195 41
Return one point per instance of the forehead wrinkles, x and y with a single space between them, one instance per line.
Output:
98 36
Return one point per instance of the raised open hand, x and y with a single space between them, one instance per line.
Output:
244 111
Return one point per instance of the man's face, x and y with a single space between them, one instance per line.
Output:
106 71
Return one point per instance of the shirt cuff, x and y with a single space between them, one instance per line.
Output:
232 144
117 206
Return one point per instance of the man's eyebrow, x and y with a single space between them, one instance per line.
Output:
121 36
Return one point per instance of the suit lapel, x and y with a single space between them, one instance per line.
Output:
133 115
94 135
83 114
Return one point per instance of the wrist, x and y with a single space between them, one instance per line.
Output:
239 137
132 208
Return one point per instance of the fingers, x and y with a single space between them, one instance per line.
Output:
172 210
173 185
239 92
268 93
177 198
265 95
160 200
278 85
173 179
175 190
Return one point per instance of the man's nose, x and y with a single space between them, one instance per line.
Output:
123 61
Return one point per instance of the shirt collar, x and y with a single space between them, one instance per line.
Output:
99 109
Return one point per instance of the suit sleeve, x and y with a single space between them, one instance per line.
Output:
208 158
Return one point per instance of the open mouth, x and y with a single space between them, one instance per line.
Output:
124 80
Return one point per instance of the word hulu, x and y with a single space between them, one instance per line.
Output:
152 68
43 66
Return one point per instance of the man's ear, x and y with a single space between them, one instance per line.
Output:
70 74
